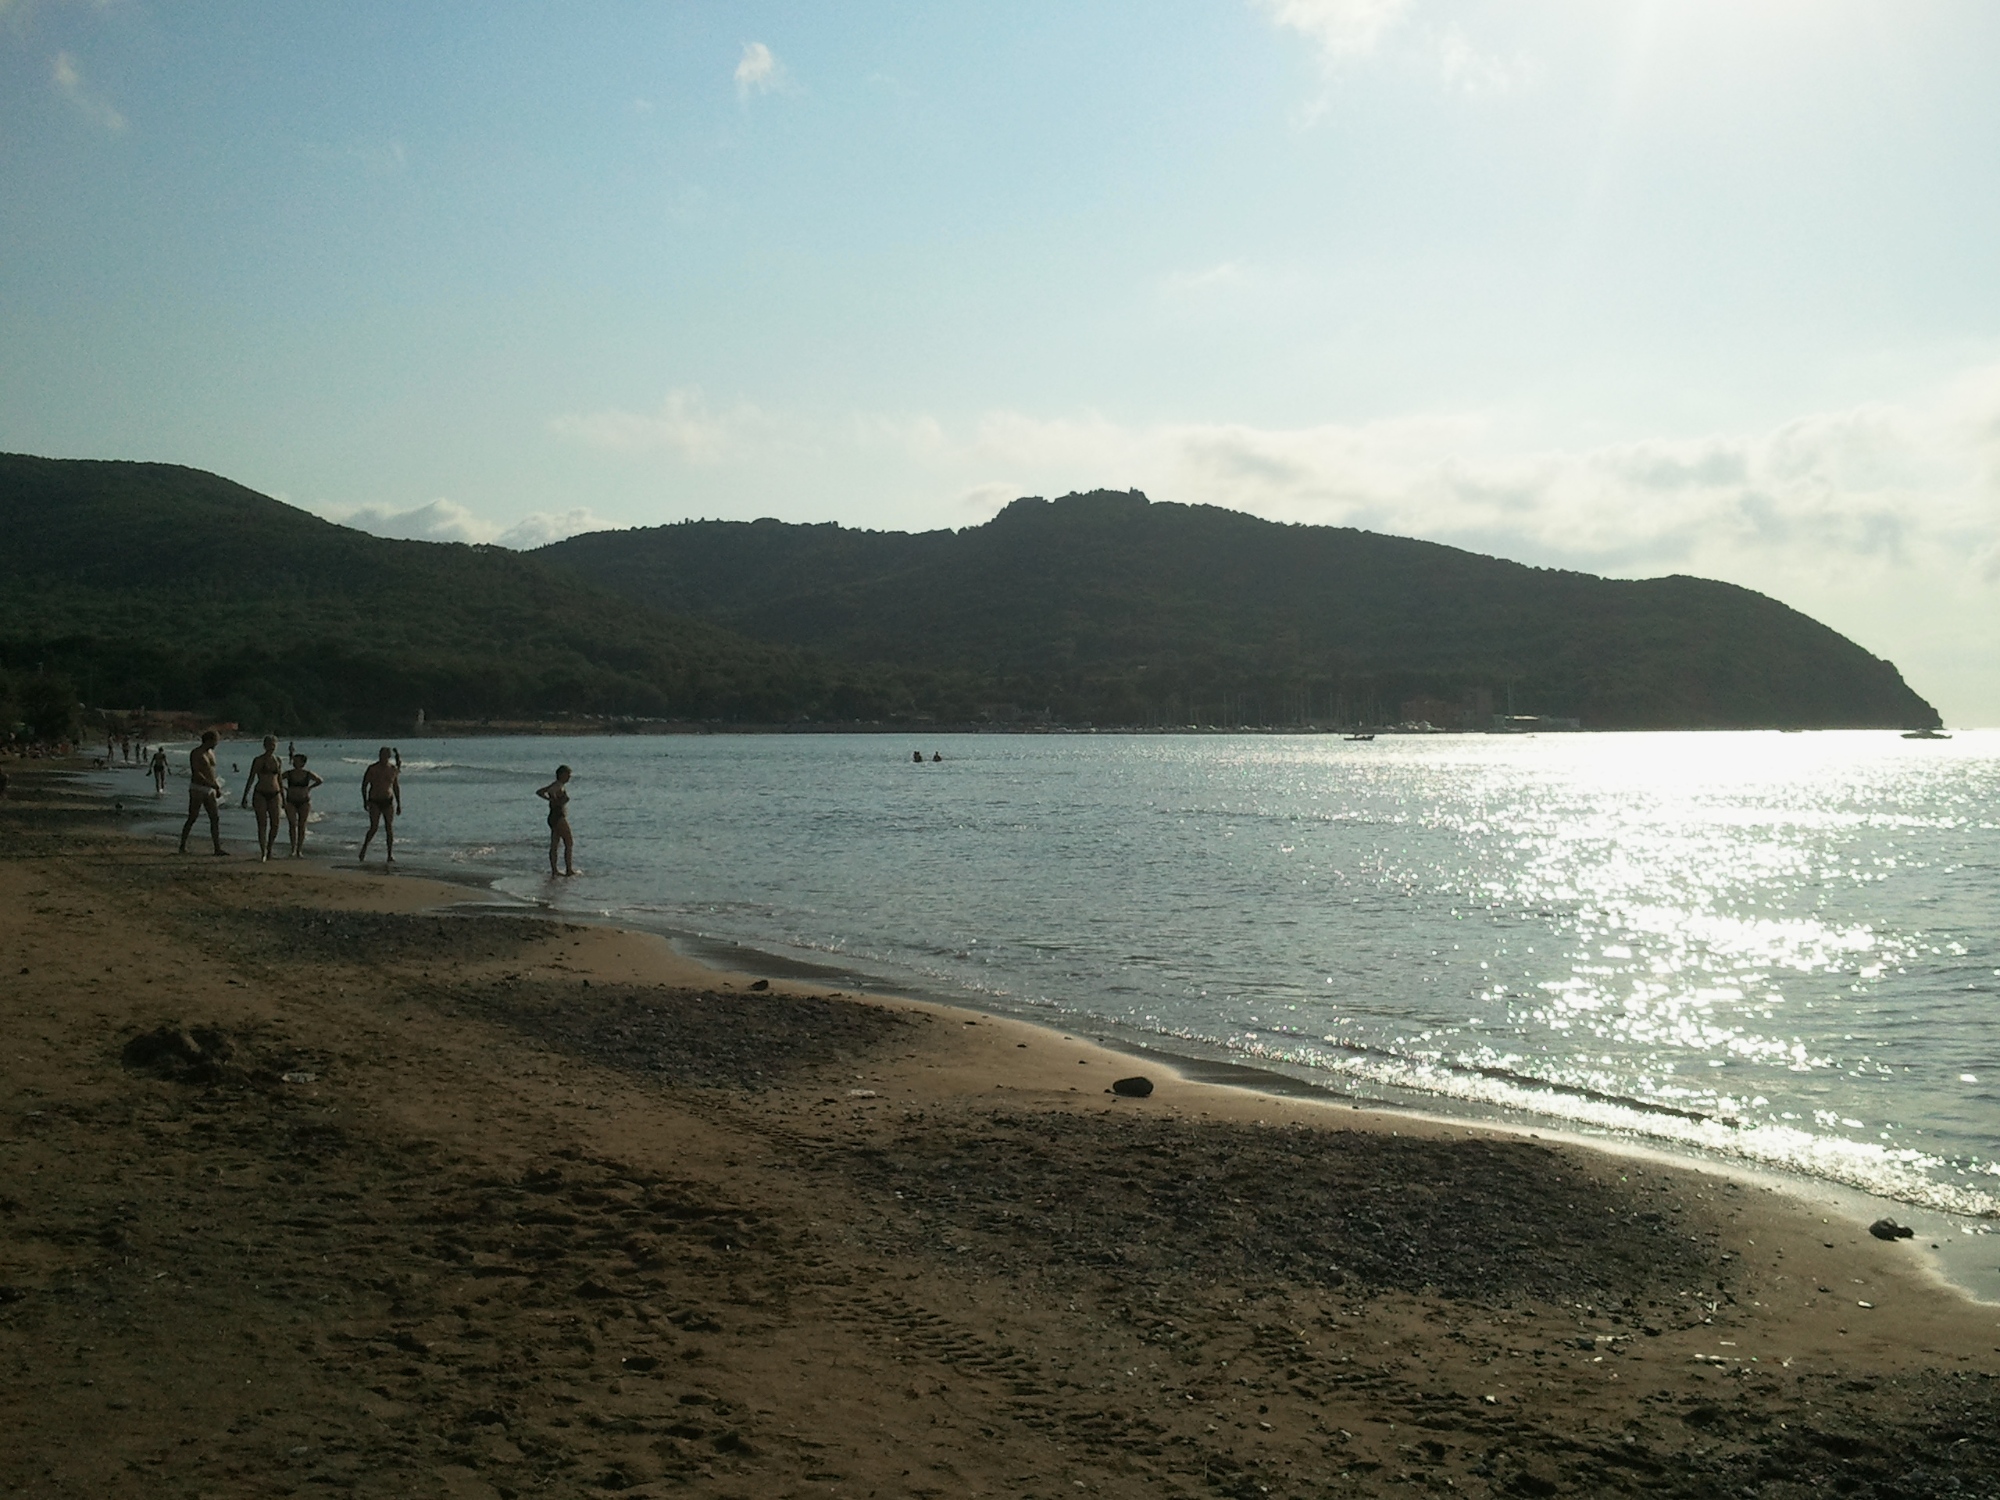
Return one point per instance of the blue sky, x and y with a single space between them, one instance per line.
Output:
1657 286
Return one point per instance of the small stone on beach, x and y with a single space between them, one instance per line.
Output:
1889 1229
1133 1088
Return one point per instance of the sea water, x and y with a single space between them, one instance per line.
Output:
1778 948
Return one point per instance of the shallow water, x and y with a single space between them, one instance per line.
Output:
1781 948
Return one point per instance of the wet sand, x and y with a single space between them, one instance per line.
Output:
312 1181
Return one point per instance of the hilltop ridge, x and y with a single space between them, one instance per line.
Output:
1114 608
162 585
153 584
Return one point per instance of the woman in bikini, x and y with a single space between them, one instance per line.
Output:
556 794
266 786
299 784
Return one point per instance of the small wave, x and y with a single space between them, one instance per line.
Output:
1900 1173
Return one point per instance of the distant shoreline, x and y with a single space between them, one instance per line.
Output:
453 729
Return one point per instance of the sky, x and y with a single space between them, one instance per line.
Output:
1631 286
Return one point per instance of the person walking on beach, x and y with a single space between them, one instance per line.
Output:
204 791
266 786
556 794
382 795
159 770
299 784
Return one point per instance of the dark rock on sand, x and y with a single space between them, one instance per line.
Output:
1889 1229
1133 1088
195 1054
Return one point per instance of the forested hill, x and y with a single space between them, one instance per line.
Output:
151 584
1106 607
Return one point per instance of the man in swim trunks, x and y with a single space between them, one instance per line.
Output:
204 791
159 769
266 786
299 784
382 795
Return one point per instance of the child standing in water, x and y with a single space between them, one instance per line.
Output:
556 794
299 784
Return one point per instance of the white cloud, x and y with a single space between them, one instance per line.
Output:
683 426
439 521
1874 485
1343 32
1479 74
68 79
543 527
1881 519
1885 484
1339 29
758 71
448 521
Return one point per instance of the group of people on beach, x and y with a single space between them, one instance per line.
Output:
273 789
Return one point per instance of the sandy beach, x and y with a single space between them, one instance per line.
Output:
321 1180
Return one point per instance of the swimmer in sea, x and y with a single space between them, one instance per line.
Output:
299 784
556 794
204 791
382 795
266 786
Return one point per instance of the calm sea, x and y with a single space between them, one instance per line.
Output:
1783 948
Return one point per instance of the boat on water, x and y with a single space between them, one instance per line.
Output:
1360 736
1925 734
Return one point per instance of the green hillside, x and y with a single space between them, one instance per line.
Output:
1109 608
150 584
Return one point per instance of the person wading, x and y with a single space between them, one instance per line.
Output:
556 794
382 795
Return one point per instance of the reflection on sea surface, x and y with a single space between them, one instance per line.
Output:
1782 947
